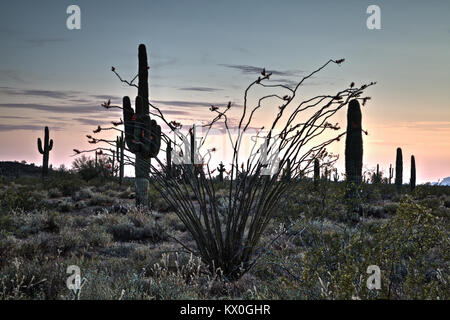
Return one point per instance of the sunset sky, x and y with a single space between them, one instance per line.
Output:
207 52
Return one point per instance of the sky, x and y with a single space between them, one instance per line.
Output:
207 52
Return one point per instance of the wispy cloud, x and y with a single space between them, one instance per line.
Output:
248 69
8 76
192 104
12 117
27 127
55 94
92 122
39 42
56 109
203 89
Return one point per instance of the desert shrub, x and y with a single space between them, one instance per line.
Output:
156 201
410 249
137 226
376 211
32 279
447 202
65 206
54 193
88 170
174 222
129 232
80 205
431 202
96 236
20 197
31 224
82 194
100 200
391 207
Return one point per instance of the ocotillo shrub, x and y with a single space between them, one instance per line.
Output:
45 150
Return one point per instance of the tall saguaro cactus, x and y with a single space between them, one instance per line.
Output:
169 168
120 146
142 135
354 143
316 172
412 181
45 150
399 169
221 170
287 172
391 173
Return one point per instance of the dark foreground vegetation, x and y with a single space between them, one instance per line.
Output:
312 248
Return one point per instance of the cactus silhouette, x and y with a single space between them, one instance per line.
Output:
169 166
316 172
120 146
399 169
287 172
377 175
45 150
353 143
113 162
336 175
413 174
142 135
221 170
391 173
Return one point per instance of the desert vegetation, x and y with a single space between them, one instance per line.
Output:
279 224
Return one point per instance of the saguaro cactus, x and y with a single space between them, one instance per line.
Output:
377 175
336 175
120 146
221 170
412 181
399 169
142 135
287 172
169 170
113 162
391 173
354 143
48 146
316 172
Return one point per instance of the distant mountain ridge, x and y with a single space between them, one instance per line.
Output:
16 169
443 182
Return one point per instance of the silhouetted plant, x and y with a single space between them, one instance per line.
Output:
45 150
120 147
399 169
316 173
391 173
221 170
142 135
412 182
353 144
227 232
